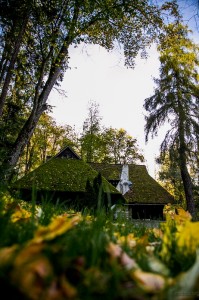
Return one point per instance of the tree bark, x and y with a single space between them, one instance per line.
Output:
40 99
186 179
29 126
188 188
11 65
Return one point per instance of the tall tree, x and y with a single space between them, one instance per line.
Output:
91 142
35 40
100 144
120 147
176 100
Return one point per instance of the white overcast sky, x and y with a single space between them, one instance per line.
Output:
100 76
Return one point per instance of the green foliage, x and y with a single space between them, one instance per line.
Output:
120 147
106 145
175 100
35 41
170 177
91 143
177 259
47 140
81 256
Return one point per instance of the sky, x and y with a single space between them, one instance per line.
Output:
101 77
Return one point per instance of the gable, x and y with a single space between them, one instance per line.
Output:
67 152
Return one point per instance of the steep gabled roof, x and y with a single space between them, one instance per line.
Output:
64 175
144 189
66 172
67 152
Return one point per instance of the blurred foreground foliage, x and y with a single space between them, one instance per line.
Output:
47 253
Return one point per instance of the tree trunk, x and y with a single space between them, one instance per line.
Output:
20 144
29 126
188 190
11 65
186 179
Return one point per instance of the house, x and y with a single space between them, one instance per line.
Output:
144 197
65 177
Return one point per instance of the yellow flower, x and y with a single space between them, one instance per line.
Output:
57 227
89 219
157 232
129 239
176 213
20 214
188 236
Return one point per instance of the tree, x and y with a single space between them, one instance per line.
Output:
120 147
47 140
35 40
170 177
190 10
176 100
91 139
107 145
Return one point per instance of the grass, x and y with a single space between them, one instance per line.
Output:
49 253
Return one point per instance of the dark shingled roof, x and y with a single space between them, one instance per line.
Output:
67 173
145 189
62 174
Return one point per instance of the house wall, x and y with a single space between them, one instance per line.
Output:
147 211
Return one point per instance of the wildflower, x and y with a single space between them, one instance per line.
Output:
57 227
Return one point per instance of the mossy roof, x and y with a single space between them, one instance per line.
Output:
145 189
64 175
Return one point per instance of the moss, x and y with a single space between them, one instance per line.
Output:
60 174
71 175
109 171
144 189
